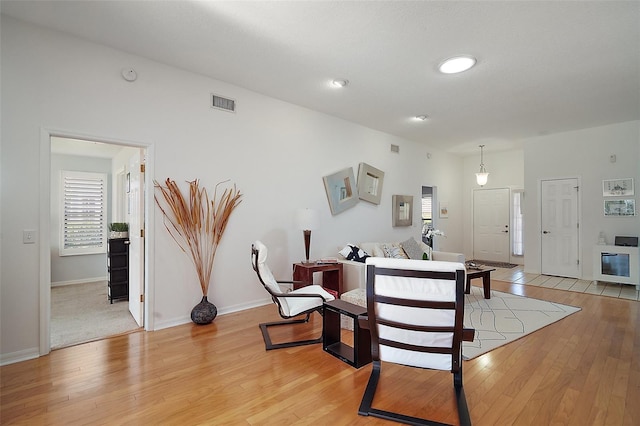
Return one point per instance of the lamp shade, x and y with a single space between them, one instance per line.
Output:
307 219
482 178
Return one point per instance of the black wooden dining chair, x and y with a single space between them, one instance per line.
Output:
415 315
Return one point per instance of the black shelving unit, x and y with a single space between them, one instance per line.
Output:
118 268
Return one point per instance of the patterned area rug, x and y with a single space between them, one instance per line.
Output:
505 318
493 264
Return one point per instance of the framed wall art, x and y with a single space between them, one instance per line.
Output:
444 209
617 187
370 182
402 210
341 190
620 207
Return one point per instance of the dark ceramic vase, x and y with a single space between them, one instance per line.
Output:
204 312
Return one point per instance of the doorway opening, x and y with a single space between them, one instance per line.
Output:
428 201
76 307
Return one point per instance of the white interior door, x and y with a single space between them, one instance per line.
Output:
491 224
136 232
559 233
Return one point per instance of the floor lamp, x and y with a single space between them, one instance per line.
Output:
307 220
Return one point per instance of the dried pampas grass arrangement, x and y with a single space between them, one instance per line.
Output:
197 225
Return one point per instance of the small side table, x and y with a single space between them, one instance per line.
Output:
331 275
360 353
485 274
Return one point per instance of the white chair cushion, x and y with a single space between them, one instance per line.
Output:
291 306
416 289
301 304
267 276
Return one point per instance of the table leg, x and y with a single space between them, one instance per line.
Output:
486 284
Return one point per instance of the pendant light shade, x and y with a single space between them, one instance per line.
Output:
482 176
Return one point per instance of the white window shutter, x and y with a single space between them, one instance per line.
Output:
83 220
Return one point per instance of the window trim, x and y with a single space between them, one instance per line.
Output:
101 246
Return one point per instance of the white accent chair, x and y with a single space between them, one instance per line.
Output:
415 315
303 301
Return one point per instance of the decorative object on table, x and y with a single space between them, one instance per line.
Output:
482 176
617 187
118 230
370 182
620 207
307 220
197 224
402 213
341 190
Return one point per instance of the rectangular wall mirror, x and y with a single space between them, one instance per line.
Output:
402 210
370 182
342 193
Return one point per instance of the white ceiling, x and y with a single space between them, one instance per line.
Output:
543 66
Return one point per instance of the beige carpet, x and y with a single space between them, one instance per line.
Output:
505 318
82 313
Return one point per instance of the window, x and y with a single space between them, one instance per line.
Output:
516 227
427 213
83 220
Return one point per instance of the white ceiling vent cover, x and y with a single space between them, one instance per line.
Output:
224 104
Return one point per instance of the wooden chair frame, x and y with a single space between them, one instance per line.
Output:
287 320
459 334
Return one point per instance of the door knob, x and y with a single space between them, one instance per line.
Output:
546 232
506 232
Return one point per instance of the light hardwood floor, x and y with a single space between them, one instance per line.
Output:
582 370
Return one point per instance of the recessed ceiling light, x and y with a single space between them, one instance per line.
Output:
421 117
340 83
457 64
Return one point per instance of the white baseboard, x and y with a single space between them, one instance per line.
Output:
82 281
23 355
159 325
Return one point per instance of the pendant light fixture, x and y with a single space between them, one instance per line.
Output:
482 176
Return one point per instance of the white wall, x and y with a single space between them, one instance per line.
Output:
275 152
584 154
73 269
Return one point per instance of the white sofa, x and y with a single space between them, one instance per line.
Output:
353 271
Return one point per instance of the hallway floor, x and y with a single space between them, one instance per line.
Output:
518 276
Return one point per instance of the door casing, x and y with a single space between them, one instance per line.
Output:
45 226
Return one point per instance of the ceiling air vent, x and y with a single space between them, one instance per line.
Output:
225 104
395 148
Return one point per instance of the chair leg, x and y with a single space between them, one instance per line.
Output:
366 409
463 409
269 345
367 398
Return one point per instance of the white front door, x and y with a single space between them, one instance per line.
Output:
491 224
559 228
136 232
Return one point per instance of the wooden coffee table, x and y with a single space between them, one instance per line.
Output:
485 274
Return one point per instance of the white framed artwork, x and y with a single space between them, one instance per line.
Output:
617 187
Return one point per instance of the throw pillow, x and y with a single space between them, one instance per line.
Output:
413 249
351 252
394 251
